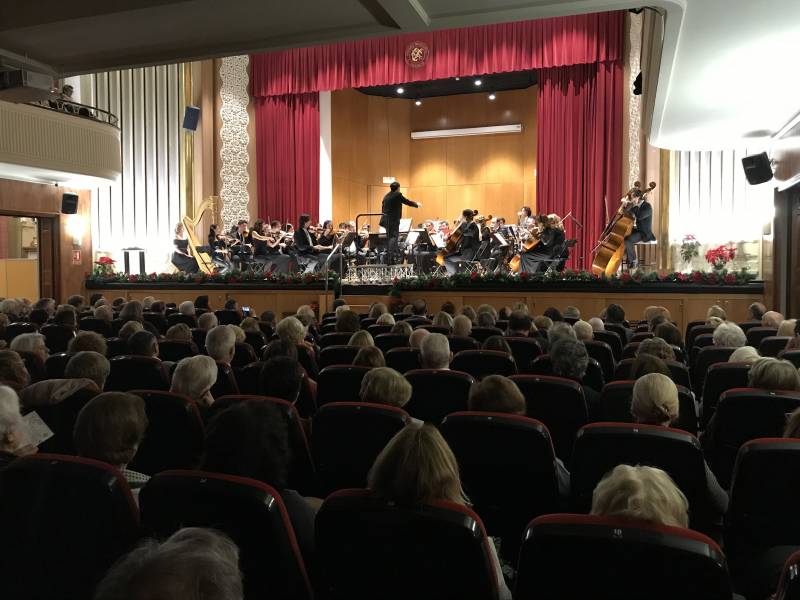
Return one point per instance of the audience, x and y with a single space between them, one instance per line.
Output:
462 326
648 363
519 324
31 342
382 385
194 377
553 314
90 365
66 317
442 319
402 328
104 313
417 467
179 333
572 312
560 331
14 439
716 311
12 370
221 344
385 319
207 321
281 377
729 335
669 333
129 329
794 343
597 324
201 564
496 343
143 343
495 393
377 309
642 493
416 337
583 331
774 374
542 323
746 354
347 321
755 312
470 313
361 338
369 356
657 347
434 352
570 360
87 341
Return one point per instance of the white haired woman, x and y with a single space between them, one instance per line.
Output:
14 439
194 377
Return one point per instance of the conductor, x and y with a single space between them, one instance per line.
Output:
392 209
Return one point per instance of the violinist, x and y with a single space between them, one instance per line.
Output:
307 246
470 241
550 234
240 246
524 218
642 210
327 237
218 248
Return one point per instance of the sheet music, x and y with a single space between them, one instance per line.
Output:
500 240
405 225
437 240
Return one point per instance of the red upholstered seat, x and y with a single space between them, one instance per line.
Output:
616 401
174 437
250 512
705 358
524 350
460 342
375 330
508 470
640 336
699 329
334 339
721 377
613 339
586 556
603 354
793 356
347 437
337 355
69 518
369 548
437 393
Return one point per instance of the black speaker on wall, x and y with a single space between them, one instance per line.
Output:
757 168
191 117
69 204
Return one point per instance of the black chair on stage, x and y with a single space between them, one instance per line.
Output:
437 393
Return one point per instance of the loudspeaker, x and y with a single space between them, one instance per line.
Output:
757 168
69 204
191 117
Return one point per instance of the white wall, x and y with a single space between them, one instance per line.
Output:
325 168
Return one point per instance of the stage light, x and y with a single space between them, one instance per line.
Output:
400 90
458 78
478 82
492 96
418 102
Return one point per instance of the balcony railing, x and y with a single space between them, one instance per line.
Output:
77 109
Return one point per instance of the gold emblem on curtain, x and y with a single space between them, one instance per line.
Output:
417 54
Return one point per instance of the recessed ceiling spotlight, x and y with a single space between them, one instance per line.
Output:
492 96
418 102
478 82
401 90
458 78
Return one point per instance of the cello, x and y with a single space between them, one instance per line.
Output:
515 263
611 246
452 242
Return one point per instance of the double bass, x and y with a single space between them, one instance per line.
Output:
611 246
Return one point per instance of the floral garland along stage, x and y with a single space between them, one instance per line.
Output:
622 280
290 279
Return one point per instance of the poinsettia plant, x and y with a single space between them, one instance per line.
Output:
103 266
720 256
690 247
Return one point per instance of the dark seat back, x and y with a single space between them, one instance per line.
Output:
480 363
250 512
559 404
616 405
508 470
773 345
630 350
243 354
403 359
705 358
483 333
375 330
793 356
620 330
387 341
692 332
174 437
460 342
340 383
348 436
190 321
640 336
600 447
613 340
174 350
369 548
228 317
789 583
435 329
18 328
437 393
627 556
603 354
524 350
69 518
335 339
199 337
158 320
56 364
60 418
100 326
136 372
226 381
744 414
719 378
543 365
337 355
756 334
116 347
256 340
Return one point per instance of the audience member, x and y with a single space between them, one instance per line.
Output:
642 493
347 321
91 365
714 322
361 338
774 374
495 393
519 324
383 385
186 308
250 324
570 360
143 343
486 319
787 328
110 428
129 329
207 321
542 323
281 377
449 308
279 348
385 319
251 439
221 344
14 439
583 331
669 333
12 370
657 320
201 564
87 340
419 308
615 314
597 324
793 425
194 377
716 311
377 309
34 343
462 326
417 467
179 333
553 314
268 317
729 335
369 356
746 354
416 337
560 331
496 343
434 353
470 313
772 318
402 328
77 302
755 312
104 313
657 347
48 305
442 319
572 312
794 343
648 363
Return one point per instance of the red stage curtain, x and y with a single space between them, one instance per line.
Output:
579 149
287 155
498 48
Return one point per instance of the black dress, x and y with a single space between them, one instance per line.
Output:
182 262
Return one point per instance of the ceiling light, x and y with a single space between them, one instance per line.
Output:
492 96
458 78
418 102
400 90
478 82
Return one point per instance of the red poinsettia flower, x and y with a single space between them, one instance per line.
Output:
105 260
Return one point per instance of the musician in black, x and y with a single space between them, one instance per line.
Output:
218 249
241 250
469 243
642 210
307 247
181 257
551 243
392 209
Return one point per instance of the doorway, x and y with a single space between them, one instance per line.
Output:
19 257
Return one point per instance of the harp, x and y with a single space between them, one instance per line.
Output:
203 258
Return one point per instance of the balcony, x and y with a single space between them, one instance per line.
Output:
70 145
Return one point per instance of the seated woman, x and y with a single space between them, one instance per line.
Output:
181 257
14 440
417 467
655 402
642 493
369 356
194 377
251 439
496 343
361 339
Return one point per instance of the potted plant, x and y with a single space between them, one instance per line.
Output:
104 267
720 256
690 248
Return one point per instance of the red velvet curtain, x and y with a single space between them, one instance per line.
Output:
479 50
287 155
579 149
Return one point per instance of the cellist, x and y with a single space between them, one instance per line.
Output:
550 233
469 242
642 210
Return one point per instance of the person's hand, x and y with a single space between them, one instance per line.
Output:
419 204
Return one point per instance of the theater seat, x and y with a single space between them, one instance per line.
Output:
603 354
136 372
612 339
116 347
250 512
677 371
387 341
559 404
434 329
641 336
543 365
226 381
174 350
460 342
256 340
773 345
583 556
56 364
65 521
158 320
403 359
247 378
756 334
57 337
693 331
174 438
793 356
617 397
481 334
243 354
335 339
508 470
705 358
480 363
100 326
18 328
524 350
340 383
630 350
623 332
744 414
599 447
368 549
375 330
347 437
337 355
437 393
789 584
228 317
721 377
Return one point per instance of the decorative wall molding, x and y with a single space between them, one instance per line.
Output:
635 102
234 98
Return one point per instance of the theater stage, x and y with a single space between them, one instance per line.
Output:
685 301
